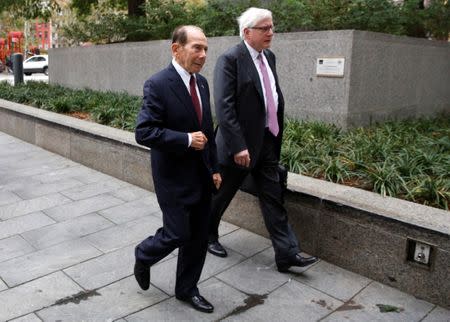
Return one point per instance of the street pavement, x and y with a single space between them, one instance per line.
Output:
34 77
67 235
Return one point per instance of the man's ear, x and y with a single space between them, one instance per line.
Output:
175 48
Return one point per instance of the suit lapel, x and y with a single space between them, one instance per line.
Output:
180 91
251 69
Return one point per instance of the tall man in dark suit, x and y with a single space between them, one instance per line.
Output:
175 122
250 108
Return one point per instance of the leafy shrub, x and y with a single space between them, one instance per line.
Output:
218 18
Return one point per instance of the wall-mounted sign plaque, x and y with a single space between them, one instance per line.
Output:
330 67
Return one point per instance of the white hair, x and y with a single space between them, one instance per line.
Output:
250 17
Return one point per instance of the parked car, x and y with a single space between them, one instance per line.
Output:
36 64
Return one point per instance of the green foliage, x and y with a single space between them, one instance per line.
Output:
114 109
408 159
29 9
437 19
218 18
103 27
291 15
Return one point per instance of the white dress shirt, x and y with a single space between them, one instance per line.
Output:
186 77
254 55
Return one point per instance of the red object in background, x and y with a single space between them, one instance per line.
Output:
3 50
43 33
13 44
15 39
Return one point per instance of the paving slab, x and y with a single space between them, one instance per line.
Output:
245 242
163 274
31 191
106 304
3 286
25 268
292 301
438 314
256 275
132 193
129 233
24 223
370 303
66 230
25 207
226 228
78 208
7 197
16 183
35 295
333 280
103 270
12 247
27 318
224 298
215 265
93 189
132 210
92 176
76 172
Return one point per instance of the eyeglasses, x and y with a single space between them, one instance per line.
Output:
264 29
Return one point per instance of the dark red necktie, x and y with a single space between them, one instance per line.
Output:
195 100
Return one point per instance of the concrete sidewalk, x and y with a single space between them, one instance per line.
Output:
67 235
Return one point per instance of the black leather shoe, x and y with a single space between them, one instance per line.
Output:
199 303
216 249
296 260
142 274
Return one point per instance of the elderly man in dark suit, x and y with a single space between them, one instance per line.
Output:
249 108
175 122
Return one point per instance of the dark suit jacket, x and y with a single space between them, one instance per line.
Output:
180 174
239 104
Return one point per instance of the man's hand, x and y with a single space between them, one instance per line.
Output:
217 179
242 158
198 140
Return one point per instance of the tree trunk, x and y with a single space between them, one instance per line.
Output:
135 8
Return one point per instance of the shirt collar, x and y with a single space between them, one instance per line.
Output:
181 71
253 52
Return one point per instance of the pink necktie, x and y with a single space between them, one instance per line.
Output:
195 100
272 119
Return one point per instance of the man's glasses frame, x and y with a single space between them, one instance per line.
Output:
264 29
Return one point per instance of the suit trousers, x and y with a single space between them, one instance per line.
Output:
265 174
184 227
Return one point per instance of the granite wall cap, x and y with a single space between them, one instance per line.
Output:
404 211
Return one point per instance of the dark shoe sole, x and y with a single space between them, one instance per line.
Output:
193 306
217 254
285 269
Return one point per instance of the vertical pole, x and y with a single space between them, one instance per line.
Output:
17 61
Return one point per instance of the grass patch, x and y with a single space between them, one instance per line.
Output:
405 159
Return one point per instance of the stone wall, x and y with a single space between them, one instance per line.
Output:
385 76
